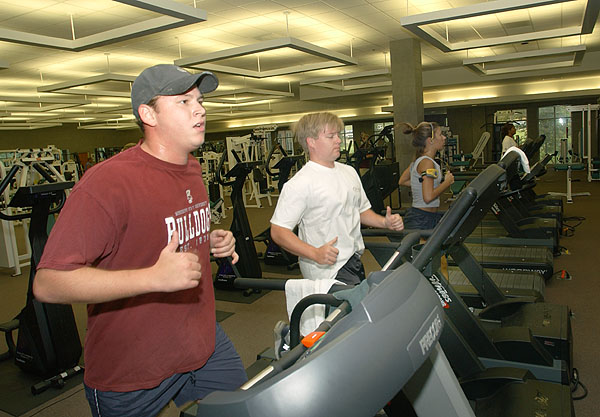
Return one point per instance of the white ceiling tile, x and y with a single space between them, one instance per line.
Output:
388 4
236 14
213 6
268 7
359 10
416 7
314 9
334 18
10 11
343 5
213 20
295 3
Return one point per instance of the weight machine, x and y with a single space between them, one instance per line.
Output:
585 138
10 256
250 148
568 164
48 343
28 161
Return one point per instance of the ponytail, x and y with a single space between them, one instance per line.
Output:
420 133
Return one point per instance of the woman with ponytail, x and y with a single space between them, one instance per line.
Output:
424 176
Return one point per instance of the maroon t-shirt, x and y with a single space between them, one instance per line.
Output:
119 216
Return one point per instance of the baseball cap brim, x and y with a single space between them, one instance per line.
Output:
205 81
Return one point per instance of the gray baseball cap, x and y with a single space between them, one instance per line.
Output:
168 80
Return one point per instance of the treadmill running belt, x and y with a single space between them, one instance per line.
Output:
536 259
511 283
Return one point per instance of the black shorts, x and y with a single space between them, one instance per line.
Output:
416 218
353 271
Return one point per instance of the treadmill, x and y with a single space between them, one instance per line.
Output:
529 246
512 283
398 323
517 329
517 216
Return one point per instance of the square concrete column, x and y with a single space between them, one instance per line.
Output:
407 93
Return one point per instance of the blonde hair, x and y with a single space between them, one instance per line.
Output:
310 125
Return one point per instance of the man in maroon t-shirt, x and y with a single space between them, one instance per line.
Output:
133 241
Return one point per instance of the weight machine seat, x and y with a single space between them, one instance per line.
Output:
458 186
573 167
460 163
569 167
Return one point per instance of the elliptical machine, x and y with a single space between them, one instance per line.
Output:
275 255
381 178
48 343
248 265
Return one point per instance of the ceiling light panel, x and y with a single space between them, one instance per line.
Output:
246 95
514 23
328 59
527 61
174 14
353 81
112 85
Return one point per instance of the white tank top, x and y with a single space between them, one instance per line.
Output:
416 186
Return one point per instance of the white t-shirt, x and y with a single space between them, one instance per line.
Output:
507 142
325 203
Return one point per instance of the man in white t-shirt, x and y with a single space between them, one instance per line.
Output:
327 202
